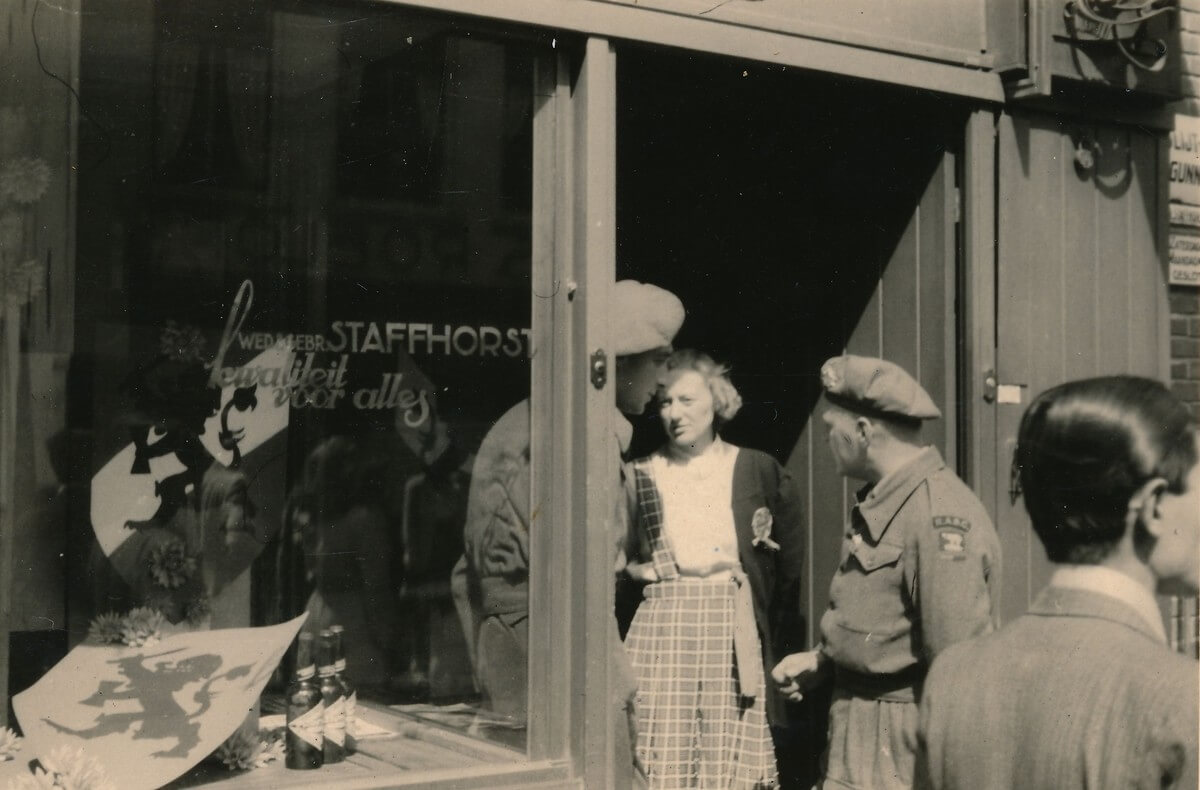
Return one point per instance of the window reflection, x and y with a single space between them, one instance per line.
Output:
303 300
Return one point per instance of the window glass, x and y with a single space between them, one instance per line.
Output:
301 301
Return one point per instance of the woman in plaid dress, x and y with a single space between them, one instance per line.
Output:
716 533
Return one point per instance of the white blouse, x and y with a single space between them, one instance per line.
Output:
697 499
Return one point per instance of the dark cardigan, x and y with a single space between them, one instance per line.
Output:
774 574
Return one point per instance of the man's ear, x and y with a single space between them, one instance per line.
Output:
1145 503
863 428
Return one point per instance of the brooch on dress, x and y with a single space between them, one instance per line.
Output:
761 524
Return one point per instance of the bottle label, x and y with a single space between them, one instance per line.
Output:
335 721
340 665
351 707
309 726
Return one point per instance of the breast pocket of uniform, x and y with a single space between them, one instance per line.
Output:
875 558
867 590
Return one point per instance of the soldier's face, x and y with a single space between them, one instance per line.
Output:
845 446
637 379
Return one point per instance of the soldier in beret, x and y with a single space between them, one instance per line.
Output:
919 572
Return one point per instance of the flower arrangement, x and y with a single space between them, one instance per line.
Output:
170 564
66 768
141 627
244 751
24 180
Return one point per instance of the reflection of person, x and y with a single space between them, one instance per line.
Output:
431 527
348 555
919 572
1082 690
644 322
717 534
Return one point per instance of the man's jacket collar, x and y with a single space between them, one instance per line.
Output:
879 503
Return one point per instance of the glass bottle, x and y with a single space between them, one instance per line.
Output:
339 666
305 739
335 700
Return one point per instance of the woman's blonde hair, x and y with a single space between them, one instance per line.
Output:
726 400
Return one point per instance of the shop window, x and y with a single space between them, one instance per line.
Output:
301 301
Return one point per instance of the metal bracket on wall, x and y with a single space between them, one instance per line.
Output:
1120 46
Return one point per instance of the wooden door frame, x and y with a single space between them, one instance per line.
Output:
977 315
575 482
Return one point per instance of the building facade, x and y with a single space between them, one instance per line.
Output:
274 269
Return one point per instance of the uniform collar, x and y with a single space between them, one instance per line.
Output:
1115 585
623 428
879 503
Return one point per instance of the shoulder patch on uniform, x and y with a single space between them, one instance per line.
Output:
952 522
950 541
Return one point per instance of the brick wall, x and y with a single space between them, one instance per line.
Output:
1185 344
1185 300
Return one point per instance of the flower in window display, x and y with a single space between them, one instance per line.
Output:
65 768
141 627
24 180
244 751
10 744
170 564
106 629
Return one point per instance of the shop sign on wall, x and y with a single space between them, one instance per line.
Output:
1183 247
1184 256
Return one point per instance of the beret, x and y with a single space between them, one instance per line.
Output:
876 387
644 317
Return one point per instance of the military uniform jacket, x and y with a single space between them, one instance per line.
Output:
919 571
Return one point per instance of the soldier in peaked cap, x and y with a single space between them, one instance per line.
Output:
919 572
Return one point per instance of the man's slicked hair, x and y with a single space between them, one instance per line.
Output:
1085 447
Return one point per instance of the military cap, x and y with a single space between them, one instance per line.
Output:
876 387
644 317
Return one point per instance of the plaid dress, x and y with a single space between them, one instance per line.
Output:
696 728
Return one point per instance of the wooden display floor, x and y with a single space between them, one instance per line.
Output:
405 741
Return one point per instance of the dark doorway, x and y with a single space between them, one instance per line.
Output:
770 200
